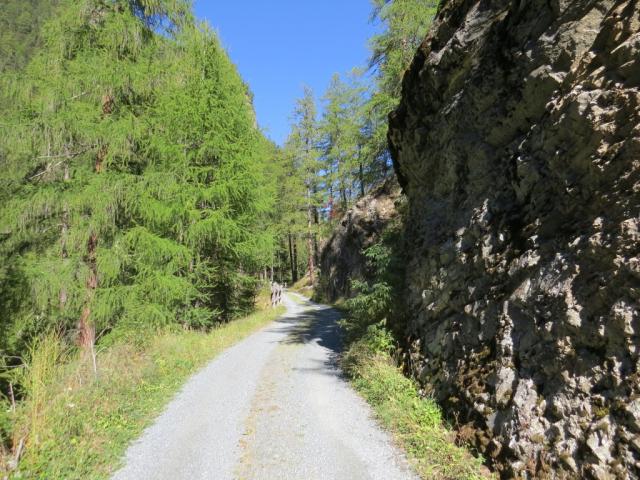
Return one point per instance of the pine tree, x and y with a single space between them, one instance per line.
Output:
341 132
405 24
291 205
133 177
304 139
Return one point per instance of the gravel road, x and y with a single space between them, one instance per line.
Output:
273 407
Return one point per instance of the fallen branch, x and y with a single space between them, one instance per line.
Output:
68 154
78 95
62 155
16 459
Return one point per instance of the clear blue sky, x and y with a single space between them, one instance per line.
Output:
281 45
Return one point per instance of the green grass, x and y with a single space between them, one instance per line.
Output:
415 422
299 298
77 426
303 287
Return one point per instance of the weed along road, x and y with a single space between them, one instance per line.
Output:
274 406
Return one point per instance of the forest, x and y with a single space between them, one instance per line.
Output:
136 186
455 221
138 193
109 217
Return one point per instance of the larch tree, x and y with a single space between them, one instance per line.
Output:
404 25
303 142
337 158
134 185
341 140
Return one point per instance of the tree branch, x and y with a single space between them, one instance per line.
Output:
46 170
63 156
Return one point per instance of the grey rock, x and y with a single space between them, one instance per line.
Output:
632 410
517 144
342 259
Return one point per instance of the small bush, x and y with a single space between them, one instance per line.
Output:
370 306
377 301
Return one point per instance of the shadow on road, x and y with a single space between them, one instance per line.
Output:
315 324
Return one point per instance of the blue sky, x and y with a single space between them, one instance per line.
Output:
281 45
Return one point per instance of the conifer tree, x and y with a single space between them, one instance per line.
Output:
325 165
133 177
305 141
291 205
302 146
341 139
405 24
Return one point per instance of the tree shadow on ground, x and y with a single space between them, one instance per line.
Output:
316 324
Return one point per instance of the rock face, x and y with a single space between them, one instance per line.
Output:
342 259
517 143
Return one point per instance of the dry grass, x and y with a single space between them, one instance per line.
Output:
76 425
303 287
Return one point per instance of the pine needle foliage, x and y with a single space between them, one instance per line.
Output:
133 186
332 159
20 29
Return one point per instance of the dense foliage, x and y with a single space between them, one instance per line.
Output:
331 160
133 188
20 29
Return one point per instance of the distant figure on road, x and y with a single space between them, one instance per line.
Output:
276 294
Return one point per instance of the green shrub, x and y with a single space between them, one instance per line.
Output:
378 300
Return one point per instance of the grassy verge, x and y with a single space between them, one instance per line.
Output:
303 287
75 424
415 422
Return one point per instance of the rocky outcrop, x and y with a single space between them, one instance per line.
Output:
342 258
518 144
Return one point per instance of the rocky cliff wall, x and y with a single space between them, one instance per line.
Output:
342 258
518 144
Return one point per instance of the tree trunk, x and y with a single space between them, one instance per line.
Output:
294 265
310 263
86 331
63 237
361 180
316 249
291 264
63 250
310 244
